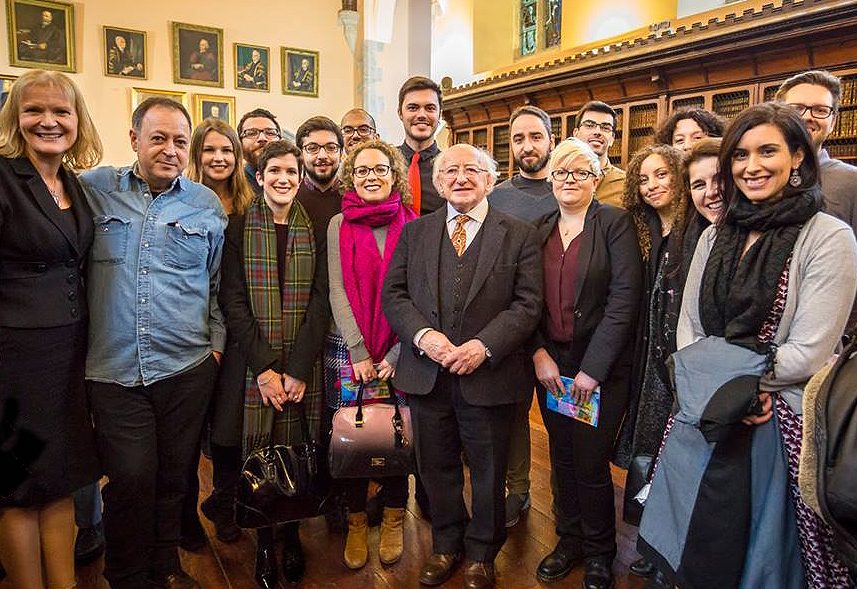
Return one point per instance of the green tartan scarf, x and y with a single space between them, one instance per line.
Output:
279 317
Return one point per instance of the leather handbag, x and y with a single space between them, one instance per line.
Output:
372 441
281 483
639 473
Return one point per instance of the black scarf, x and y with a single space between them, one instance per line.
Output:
737 293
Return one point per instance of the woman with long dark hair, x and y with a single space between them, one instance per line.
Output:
766 300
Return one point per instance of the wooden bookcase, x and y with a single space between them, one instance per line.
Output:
742 66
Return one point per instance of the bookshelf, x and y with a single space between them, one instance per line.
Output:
615 151
642 121
480 138
462 137
686 102
556 128
500 148
842 142
729 104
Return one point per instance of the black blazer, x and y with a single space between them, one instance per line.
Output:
502 308
608 290
41 262
243 329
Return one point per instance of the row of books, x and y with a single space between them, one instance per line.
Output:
841 150
846 124
729 106
643 116
849 90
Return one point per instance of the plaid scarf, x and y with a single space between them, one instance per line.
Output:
279 315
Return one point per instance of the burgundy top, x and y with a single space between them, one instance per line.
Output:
560 276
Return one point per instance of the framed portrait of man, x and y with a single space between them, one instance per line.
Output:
252 67
208 106
197 55
138 95
41 34
6 82
300 72
125 53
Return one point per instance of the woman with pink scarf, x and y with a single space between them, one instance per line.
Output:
361 346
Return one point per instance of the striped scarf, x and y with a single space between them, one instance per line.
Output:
279 317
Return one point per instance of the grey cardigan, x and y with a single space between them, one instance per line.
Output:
343 316
822 284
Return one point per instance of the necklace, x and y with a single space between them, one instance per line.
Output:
54 193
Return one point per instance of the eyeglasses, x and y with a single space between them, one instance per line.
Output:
819 111
314 148
362 130
578 175
590 125
253 133
380 171
470 172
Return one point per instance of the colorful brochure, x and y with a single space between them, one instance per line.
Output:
374 389
587 413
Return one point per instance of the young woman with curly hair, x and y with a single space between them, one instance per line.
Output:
686 126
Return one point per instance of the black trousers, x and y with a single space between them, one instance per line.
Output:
444 424
394 492
580 463
147 438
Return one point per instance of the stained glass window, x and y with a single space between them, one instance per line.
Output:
553 22
528 27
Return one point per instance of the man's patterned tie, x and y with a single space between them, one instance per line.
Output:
459 235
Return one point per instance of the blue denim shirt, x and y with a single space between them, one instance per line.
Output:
153 277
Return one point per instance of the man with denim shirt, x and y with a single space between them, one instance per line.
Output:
155 338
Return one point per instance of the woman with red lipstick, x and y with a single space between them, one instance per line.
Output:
774 278
361 240
46 232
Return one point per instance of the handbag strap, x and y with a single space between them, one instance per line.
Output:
398 422
301 418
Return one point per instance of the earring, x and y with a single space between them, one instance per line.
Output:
795 178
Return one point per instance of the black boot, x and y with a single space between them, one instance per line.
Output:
219 507
558 563
266 560
598 573
294 565
642 568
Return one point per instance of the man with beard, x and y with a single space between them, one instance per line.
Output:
357 126
527 196
595 124
256 129
252 75
420 101
321 143
45 43
203 64
816 95
121 61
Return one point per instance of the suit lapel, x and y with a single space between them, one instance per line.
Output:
436 229
584 254
45 201
80 210
492 244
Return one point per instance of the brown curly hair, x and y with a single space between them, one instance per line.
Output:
633 202
397 167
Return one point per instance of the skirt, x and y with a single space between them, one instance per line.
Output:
42 370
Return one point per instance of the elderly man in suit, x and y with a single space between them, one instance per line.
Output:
464 292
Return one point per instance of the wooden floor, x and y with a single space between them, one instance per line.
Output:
231 566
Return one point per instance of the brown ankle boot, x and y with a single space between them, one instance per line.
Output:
392 535
356 551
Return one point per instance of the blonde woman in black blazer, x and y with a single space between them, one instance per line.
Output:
45 233
592 284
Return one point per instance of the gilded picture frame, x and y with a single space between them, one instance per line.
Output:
299 71
213 106
197 55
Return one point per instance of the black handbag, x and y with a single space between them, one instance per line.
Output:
639 473
372 441
281 484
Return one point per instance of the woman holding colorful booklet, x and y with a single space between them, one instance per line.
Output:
582 356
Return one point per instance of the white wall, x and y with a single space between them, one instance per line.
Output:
272 23
452 41
690 7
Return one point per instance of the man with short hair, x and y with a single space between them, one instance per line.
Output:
595 124
256 129
357 126
464 291
420 101
321 143
155 339
528 196
816 95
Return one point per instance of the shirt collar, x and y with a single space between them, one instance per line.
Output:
477 213
823 156
312 184
177 183
430 151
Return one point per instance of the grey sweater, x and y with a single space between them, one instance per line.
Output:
343 317
839 186
822 284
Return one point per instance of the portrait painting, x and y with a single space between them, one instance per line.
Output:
252 67
41 34
197 55
138 95
300 72
125 53
207 106
5 87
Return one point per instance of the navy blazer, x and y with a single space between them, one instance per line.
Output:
502 308
41 262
